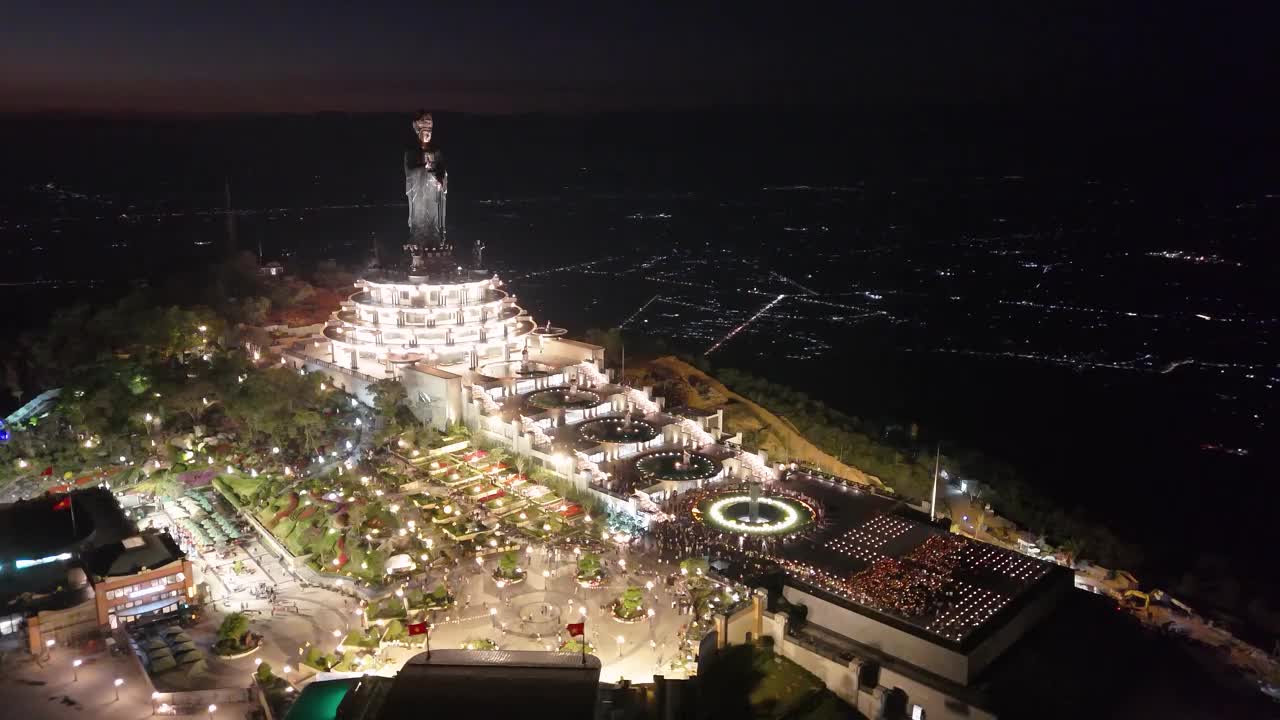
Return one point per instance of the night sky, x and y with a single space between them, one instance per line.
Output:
508 57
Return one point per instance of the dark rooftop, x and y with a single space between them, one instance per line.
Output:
31 529
481 684
875 555
157 549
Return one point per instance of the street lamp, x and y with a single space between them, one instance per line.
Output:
75 669
117 683
620 641
154 697
212 709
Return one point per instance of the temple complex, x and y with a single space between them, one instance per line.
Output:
887 590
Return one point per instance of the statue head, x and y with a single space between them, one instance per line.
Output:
422 127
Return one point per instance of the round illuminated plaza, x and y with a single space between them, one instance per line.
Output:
617 430
676 466
774 515
563 398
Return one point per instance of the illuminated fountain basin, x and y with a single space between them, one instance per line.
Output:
617 430
563 398
515 369
670 465
775 515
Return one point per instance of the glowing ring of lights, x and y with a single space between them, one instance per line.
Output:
661 466
791 520
610 430
563 398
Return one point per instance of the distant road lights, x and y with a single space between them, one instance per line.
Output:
337 633
275 451
651 613
75 669
202 328
648 585
257 662
287 669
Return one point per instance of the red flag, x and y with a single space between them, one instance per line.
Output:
576 629
418 628
47 471
63 504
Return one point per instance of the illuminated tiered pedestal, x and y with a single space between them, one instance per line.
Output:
396 321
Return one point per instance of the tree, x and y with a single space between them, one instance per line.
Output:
388 396
589 566
233 628
507 564
310 423
631 601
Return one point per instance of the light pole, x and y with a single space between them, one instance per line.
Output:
155 696
75 669
493 617
546 575
212 709
620 641
48 648
117 683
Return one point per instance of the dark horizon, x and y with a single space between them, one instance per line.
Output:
503 58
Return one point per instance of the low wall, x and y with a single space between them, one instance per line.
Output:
343 378
196 702
897 643
841 676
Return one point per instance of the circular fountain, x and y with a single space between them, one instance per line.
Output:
676 466
562 398
617 430
515 370
754 514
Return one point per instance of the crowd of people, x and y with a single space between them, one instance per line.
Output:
941 553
